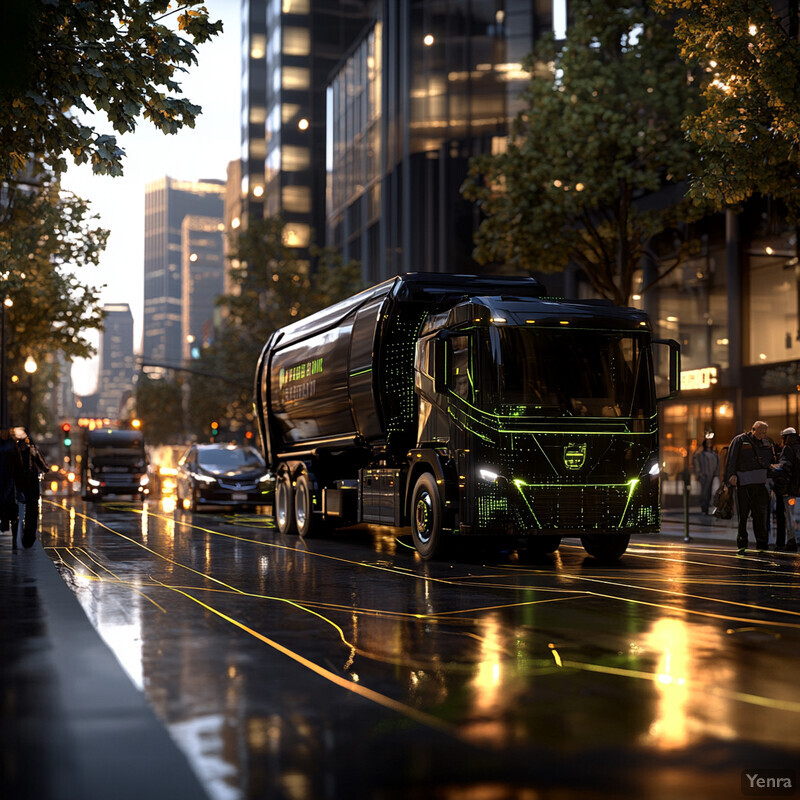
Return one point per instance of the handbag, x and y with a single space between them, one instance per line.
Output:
723 502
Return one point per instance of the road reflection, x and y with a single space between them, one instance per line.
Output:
268 656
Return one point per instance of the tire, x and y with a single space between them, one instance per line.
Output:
284 502
303 514
426 516
607 547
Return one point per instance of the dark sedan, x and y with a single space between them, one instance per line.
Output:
222 475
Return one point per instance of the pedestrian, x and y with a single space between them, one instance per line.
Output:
789 465
33 466
10 469
705 465
749 456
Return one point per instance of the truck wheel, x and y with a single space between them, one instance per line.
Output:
542 545
284 502
302 505
606 547
426 516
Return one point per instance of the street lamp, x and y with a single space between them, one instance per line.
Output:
7 303
30 367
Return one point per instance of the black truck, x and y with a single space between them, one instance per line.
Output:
113 462
467 405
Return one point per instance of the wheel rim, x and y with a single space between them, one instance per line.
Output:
283 511
301 508
423 516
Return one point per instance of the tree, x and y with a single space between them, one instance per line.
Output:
159 406
64 61
593 166
45 235
272 287
748 128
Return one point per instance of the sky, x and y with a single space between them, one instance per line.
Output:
191 154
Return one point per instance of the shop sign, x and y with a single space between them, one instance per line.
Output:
703 378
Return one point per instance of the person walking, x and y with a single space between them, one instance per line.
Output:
749 456
789 465
10 473
33 466
705 465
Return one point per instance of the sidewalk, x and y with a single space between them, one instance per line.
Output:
72 725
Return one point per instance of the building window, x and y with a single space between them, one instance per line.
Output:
296 41
297 234
295 158
296 199
296 78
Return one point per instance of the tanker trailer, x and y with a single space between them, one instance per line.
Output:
466 406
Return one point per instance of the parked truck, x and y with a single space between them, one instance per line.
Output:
464 405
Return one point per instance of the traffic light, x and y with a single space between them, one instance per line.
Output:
214 430
248 436
65 429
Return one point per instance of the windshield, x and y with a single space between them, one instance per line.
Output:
223 460
573 373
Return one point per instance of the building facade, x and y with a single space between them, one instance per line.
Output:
202 278
289 49
116 360
427 86
167 203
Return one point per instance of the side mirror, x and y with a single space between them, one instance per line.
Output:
674 361
440 364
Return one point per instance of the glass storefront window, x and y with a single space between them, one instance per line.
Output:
774 324
693 309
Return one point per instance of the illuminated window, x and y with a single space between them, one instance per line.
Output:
258 45
296 78
294 158
296 199
297 234
289 111
258 115
296 41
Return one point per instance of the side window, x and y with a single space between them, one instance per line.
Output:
460 375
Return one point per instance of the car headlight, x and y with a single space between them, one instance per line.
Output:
93 482
653 468
266 478
144 480
205 478
488 475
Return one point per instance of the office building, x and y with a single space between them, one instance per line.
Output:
116 360
425 87
167 203
289 49
203 268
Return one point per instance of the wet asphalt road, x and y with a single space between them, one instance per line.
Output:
347 667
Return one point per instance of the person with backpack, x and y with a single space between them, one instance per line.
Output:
789 466
749 457
33 466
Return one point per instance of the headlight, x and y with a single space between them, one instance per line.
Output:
144 480
205 478
265 478
653 468
93 482
488 475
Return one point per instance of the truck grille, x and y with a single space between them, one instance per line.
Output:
583 507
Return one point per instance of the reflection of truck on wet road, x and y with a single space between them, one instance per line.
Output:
114 462
466 406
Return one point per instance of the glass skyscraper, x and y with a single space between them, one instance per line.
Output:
167 203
